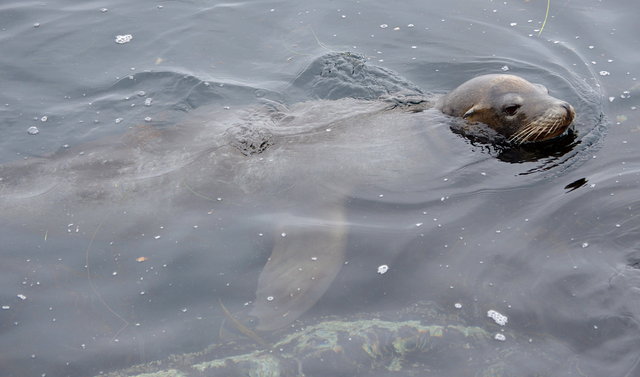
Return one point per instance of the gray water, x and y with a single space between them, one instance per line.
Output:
457 223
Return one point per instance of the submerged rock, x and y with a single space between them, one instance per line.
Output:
423 341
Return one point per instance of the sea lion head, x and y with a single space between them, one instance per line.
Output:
521 111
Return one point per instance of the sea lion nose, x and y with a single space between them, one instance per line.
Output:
571 113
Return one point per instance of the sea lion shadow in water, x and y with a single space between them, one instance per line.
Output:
520 118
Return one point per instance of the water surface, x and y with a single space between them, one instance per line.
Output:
467 226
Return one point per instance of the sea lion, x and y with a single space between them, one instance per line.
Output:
521 111
304 159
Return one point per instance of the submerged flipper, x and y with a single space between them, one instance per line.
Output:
302 266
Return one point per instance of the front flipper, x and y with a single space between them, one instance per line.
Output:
304 262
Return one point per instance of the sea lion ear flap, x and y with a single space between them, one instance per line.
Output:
470 113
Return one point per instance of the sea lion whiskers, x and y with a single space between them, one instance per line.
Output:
540 128
523 135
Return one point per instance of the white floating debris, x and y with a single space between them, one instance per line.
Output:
604 73
270 298
382 269
122 39
504 68
118 120
147 119
147 102
314 258
156 237
457 305
384 26
104 10
500 337
21 296
283 234
499 318
6 307
513 24
44 118
585 245
33 130
410 25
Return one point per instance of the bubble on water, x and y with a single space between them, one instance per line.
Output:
382 269
270 298
104 10
457 305
410 25
384 26
45 118
33 130
500 319
147 119
122 39
500 337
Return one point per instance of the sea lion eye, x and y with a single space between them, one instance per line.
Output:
511 109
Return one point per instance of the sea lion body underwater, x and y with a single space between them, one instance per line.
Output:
177 167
